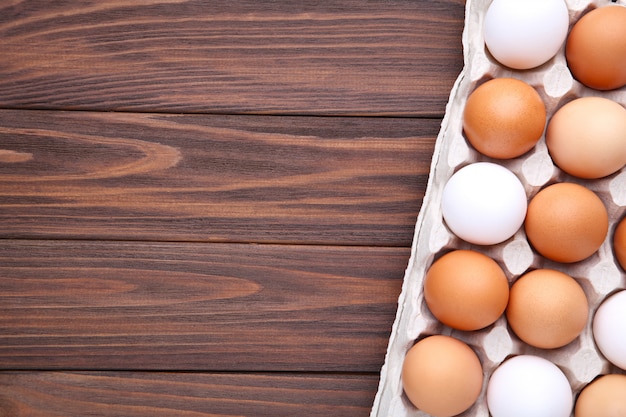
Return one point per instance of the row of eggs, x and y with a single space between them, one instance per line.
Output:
484 203
526 34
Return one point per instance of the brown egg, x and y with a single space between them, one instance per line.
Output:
547 308
504 118
604 397
596 48
619 243
442 376
466 290
566 222
587 137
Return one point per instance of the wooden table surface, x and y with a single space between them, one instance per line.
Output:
206 208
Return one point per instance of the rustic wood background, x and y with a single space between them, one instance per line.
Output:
206 208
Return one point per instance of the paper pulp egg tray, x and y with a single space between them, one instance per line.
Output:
599 275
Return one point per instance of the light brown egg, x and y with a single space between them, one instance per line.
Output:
619 243
587 137
547 308
604 397
504 118
596 48
466 290
566 222
442 376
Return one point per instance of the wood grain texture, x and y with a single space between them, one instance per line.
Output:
398 57
206 208
181 306
131 394
311 180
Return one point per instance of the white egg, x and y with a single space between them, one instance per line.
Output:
484 203
524 34
609 329
529 386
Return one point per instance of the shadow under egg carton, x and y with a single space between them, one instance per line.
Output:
599 275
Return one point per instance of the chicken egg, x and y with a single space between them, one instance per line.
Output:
523 34
466 290
604 397
442 376
619 243
529 386
484 203
596 48
609 329
566 222
504 118
547 308
587 137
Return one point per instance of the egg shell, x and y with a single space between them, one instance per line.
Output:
566 222
484 203
596 48
442 376
587 137
529 386
604 397
525 34
619 243
547 308
466 290
609 328
504 118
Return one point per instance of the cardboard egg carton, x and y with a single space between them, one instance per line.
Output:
599 275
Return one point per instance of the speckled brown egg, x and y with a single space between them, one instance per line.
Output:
619 242
504 118
547 308
442 376
466 290
566 222
596 48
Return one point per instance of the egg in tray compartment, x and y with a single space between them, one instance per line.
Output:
559 247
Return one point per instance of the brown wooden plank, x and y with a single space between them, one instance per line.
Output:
77 175
181 306
114 394
397 57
